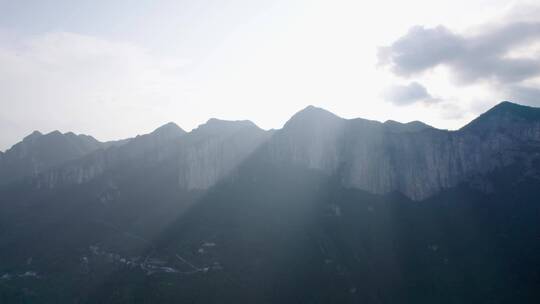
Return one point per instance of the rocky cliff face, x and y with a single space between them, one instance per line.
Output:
142 151
200 158
413 159
213 150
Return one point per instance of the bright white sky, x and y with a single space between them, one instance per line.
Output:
117 70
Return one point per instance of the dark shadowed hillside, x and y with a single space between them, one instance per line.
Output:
325 210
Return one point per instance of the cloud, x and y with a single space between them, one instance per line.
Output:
499 60
75 82
481 56
408 94
420 49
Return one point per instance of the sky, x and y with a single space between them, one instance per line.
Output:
115 69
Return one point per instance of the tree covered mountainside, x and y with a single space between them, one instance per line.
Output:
324 210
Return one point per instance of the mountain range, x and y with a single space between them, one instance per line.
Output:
323 210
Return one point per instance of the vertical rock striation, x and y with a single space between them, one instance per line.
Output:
413 158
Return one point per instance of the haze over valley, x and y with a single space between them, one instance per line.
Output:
277 151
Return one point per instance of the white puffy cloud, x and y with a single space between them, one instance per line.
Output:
502 55
481 56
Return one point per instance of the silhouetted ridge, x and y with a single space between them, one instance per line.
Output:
368 155
413 126
502 115
33 135
312 115
522 111
169 129
218 126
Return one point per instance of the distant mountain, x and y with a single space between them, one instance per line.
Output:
324 210
38 152
200 158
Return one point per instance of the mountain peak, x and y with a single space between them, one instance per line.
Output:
412 126
503 113
214 125
38 152
523 111
55 132
313 110
32 135
312 115
169 129
222 122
